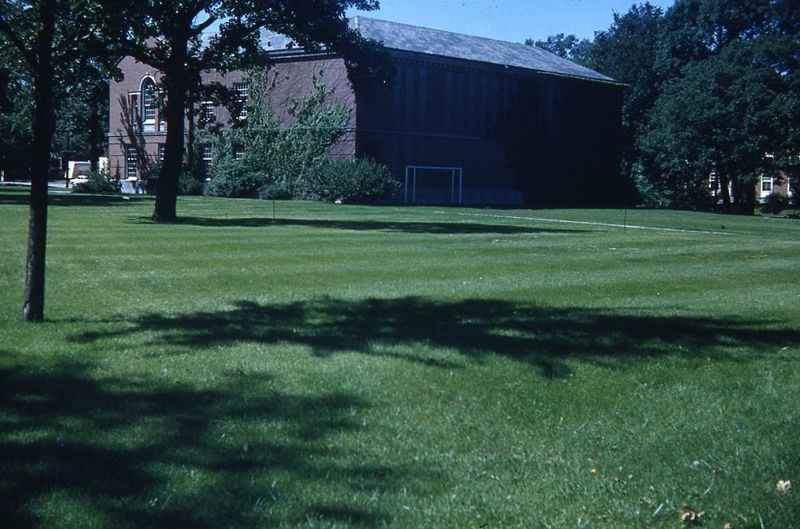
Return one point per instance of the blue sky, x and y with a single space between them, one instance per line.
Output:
511 20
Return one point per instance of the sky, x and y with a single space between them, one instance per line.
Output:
510 20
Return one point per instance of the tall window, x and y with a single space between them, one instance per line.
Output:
134 108
149 100
241 95
131 160
208 159
162 148
238 151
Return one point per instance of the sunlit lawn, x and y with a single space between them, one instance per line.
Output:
316 365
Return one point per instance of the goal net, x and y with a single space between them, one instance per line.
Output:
425 184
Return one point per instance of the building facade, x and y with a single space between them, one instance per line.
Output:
465 120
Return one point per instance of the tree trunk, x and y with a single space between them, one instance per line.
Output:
167 188
724 184
95 129
43 126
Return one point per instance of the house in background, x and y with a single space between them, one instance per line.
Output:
466 120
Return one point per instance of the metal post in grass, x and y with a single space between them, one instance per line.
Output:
625 220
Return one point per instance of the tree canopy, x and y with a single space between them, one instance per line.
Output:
169 37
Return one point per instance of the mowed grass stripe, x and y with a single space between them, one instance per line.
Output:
349 366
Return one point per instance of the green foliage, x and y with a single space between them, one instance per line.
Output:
774 203
566 46
286 157
359 180
183 53
189 182
274 191
731 102
97 183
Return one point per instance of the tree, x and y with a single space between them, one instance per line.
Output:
168 36
265 156
567 46
50 39
731 98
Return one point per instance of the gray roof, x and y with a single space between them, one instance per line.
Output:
417 39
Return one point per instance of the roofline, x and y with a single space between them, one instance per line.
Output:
599 77
507 67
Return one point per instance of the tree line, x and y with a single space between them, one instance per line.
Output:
712 98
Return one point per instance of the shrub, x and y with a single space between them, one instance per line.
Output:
234 180
97 182
774 203
275 191
190 184
354 181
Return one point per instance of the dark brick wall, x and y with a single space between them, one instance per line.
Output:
519 136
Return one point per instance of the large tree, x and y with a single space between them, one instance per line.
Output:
50 39
728 98
168 35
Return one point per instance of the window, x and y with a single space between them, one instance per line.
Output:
207 111
241 96
131 159
162 148
149 101
766 183
208 159
133 106
238 152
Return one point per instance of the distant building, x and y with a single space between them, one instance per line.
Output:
466 120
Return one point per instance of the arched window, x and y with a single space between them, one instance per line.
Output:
149 103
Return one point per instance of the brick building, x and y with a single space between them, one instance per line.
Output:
466 120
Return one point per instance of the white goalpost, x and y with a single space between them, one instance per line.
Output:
415 173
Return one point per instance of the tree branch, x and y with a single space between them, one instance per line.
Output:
13 38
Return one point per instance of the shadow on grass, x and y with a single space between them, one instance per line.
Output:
427 332
69 199
121 453
367 225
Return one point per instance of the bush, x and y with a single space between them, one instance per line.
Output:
234 180
358 180
188 182
97 182
774 203
275 191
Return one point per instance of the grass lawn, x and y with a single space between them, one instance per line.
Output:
340 366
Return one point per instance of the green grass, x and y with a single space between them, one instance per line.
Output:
342 366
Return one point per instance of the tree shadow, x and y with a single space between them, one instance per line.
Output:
143 454
447 228
422 331
73 199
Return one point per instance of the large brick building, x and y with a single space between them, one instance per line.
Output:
465 120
